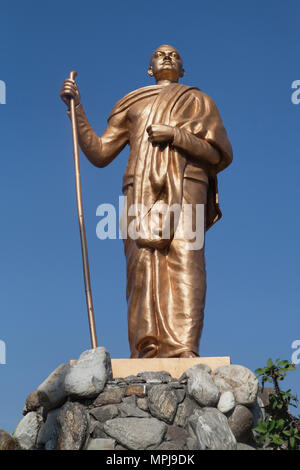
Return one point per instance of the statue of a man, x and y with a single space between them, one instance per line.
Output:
178 145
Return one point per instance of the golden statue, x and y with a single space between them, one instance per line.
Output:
178 145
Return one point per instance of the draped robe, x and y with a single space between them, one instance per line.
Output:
166 281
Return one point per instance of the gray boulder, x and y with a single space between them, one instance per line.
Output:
104 413
129 408
258 411
97 430
184 411
53 388
142 403
136 433
241 422
101 444
27 430
88 376
204 367
155 377
202 387
48 434
163 403
171 445
226 402
73 426
110 396
35 400
209 427
241 446
239 380
177 435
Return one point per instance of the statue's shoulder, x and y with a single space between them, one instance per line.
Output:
132 97
203 97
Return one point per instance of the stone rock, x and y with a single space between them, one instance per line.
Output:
175 384
175 445
192 443
73 426
27 430
48 433
136 433
142 403
37 399
184 411
119 447
226 402
7 442
241 446
133 379
54 386
92 424
178 435
180 393
211 430
184 376
88 376
239 380
116 381
101 444
241 422
138 390
264 394
163 403
155 377
201 387
129 408
97 430
103 413
258 411
183 379
110 396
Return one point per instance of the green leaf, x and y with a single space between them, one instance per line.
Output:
280 424
282 363
270 363
292 442
261 430
272 425
277 439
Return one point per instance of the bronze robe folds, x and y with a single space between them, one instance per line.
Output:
166 281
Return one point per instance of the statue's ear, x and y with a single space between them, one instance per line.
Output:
150 71
182 73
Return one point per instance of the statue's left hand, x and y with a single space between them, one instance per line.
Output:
160 133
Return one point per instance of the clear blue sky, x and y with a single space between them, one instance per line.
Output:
243 54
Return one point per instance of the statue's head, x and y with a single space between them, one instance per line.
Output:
166 64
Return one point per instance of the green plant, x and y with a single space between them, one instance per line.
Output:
279 429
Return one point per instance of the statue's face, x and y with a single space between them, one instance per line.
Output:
166 63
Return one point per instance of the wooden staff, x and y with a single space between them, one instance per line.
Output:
85 260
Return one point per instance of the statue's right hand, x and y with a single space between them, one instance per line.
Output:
69 90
